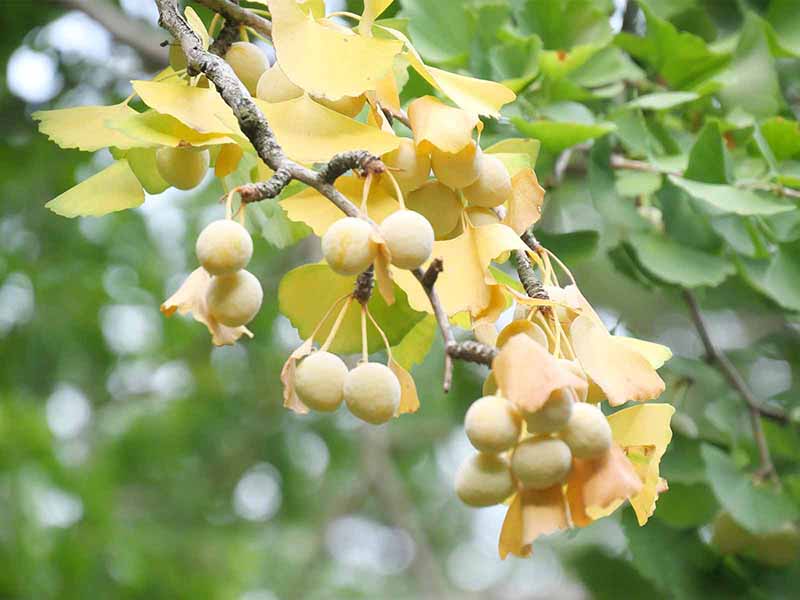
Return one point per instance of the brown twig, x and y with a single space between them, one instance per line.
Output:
227 36
231 11
729 371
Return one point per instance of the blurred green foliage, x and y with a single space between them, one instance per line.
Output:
138 462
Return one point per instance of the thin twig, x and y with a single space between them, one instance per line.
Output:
233 12
726 367
227 36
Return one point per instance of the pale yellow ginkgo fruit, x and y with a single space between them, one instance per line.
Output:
409 237
224 246
492 424
493 185
319 381
191 298
409 167
483 480
323 59
348 246
274 86
372 392
587 432
457 170
621 373
234 299
436 125
555 413
183 168
248 62
541 462
439 204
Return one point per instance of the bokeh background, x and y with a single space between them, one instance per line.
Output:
136 461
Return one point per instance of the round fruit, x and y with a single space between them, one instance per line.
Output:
555 413
234 299
319 381
587 433
438 204
177 59
409 168
224 246
484 480
409 237
183 168
348 247
540 463
493 185
248 62
372 392
349 106
457 170
274 86
492 424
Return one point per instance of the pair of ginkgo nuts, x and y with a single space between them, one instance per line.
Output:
224 248
371 391
349 246
538 462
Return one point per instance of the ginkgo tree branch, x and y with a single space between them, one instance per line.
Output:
729 371
232 12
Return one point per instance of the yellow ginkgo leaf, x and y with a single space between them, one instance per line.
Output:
532 513
409 401
197 25
529 391
319 213
525 206
112 189
151 129
466 283
518 326
84 127
599 484
290 398
202 109
191 298
644 431
656 354
324 60
435 124
622 373
372 10
228 159
310 132
477 96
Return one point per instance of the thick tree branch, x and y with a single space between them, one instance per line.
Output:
131 32
726 367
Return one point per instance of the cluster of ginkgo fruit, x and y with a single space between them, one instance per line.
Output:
233 296
529 451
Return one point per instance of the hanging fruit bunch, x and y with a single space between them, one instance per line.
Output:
407 199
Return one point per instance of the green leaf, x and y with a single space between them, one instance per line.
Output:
783 137
738 233
779 277
142 162
441 31
687 221
557 64
682 59
609 65
758 508
307 292
151 129
112 189
593 566
638 183
679 264
571 247
414 347
526 148
662 100
275 226
708 159
785 20
687 505
607 202
84 127
515 61
730 199
751 81
557 136
563 24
